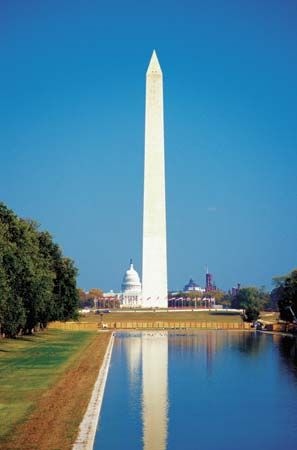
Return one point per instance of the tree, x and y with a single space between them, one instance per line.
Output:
252 300
94 292
226 300
81 294
36 279
252 313
277 293
12 311
87 299
82 298
12 308
287 295
217 295
37 283
275 296
68 297
65 298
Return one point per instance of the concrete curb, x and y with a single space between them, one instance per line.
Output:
278 333
88 427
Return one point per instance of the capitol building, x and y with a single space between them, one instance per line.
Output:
131 289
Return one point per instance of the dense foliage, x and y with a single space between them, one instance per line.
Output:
87 299
252 300
286 295
37 283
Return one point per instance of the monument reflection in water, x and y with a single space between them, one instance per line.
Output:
141 351
202 390
154 390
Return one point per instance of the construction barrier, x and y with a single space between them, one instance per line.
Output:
153 325
74 326
281 327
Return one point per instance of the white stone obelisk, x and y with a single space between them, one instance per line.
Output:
154 252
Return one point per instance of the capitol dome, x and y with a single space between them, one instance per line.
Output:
131 281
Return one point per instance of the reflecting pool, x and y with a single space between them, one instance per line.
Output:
211 390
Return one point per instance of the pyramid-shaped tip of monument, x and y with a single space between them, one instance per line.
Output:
154 65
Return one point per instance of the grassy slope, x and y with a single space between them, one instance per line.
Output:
31 365
269 317
191 316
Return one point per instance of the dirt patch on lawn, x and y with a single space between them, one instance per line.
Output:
54 423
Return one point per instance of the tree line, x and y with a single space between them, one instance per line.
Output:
37 282
282 298
285 296
86 299
253 300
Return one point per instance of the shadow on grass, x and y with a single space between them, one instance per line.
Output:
30 337
26 338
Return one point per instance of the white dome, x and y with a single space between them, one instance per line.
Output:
131 281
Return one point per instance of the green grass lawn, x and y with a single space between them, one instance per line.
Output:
190 316
28 366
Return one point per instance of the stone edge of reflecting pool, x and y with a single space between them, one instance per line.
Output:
88 427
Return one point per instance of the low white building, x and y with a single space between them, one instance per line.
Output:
111 295
131 289
193 287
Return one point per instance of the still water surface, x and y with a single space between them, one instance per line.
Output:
211 390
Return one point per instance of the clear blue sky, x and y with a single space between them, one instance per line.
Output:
72 83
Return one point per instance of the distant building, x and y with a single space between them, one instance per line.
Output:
209 284
235 290
109 299
193 287
111 294
131 289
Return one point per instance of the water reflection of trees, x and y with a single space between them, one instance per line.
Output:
288 352
186 342
200 343
182 343
251 343
212 342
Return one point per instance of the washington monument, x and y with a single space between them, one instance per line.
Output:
154 251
